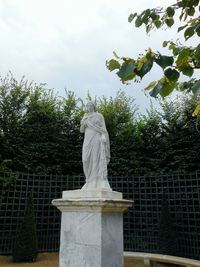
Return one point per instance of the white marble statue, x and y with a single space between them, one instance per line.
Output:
96 149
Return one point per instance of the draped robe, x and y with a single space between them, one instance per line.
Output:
95 151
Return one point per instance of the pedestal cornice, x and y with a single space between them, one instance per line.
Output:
92 205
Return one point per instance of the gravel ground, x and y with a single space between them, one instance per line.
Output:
43 260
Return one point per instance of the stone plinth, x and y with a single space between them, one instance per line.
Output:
92 194
91 228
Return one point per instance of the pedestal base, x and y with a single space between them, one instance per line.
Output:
91 230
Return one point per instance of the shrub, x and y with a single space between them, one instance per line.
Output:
25 248
167 241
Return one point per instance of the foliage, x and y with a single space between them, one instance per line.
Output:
119 114
181 146
38 134
183 59
6 180
150 139
25 248
13 100
167 240
42 135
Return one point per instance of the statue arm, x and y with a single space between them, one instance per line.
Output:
83 125
82 129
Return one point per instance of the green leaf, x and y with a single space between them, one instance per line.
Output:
145 18
167 89
189 32
148 28
131 17
157 23
112 64
156 89
187 70
172 74
163 87
182 27
138 22
185 15
151 85
147 12
174 49
169 22
181 16
196 87
198 31
164 61
196 111
191 11
170 11
165 43
126 70
195 2
153 15
182 55
130 77
115 55
145 68
183 86
197 53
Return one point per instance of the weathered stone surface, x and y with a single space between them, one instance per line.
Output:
91 239
91 229
92 205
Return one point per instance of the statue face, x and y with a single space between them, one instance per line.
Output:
90 107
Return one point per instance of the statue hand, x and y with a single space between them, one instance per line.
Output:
84 122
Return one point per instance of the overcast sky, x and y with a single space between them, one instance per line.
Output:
65 43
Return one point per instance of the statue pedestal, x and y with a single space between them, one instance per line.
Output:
91 228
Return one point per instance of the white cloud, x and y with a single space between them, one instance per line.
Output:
66 43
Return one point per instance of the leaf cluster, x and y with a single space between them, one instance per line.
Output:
183 60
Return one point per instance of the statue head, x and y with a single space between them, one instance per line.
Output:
90 107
